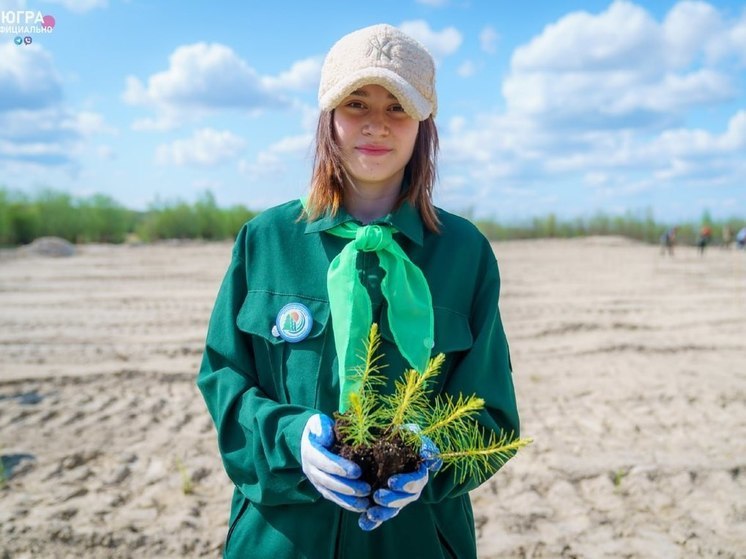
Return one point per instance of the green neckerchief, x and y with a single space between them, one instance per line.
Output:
409 309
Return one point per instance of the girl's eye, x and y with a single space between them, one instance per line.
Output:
397 108
355 105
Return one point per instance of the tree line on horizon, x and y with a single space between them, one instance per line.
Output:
100 218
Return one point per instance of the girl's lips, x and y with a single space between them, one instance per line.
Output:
373 150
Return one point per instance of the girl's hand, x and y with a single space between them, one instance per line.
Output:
403 489
336 478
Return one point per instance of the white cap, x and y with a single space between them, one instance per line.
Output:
380 55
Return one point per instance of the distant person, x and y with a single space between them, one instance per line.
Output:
668 240
305 282
705 236
727 237
741 238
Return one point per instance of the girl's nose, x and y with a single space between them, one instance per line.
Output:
376 124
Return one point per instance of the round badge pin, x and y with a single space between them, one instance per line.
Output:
294 322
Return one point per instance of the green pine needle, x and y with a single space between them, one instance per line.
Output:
472 457
362 417
449 421
411 397
447 414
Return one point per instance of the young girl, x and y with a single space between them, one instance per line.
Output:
306 281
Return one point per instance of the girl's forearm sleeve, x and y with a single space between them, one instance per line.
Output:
258 438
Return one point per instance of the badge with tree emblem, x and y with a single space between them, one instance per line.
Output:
294 322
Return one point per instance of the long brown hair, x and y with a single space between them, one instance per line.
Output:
327 181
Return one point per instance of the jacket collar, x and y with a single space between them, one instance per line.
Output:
405 219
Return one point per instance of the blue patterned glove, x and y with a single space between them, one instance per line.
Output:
336 478
402 488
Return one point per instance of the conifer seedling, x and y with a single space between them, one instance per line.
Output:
375 431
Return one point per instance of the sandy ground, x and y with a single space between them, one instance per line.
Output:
630 370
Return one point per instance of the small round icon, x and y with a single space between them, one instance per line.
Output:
294 322
27 40
18 40
49 21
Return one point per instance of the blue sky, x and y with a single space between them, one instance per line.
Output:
568 107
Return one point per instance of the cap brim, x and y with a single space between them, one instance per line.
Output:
414 104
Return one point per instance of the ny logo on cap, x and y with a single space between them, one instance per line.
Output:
381 47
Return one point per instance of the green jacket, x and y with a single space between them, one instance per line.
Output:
261 390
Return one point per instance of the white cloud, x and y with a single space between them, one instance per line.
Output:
456 125
49 137
684 142
467 69
275 158
79 6
688 29
488 38
676 92
46 137
616 68
736 38
36 129
168 119
105 152
12 5
734 138
433 3
206 147
88 124
617 98
439 43
203 78
697 30
624 37
595 178
135 93
28 78
453 183
303 75
618 162
292 144
30 150
600 101
309 116
52 124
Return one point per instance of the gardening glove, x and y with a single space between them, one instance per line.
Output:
402 488
336 478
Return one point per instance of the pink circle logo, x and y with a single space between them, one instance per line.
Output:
49 21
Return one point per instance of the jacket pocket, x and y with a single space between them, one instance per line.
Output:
288 371
452 331
453 337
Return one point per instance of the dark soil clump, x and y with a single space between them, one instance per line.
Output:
387 456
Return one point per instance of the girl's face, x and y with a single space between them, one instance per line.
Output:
376 137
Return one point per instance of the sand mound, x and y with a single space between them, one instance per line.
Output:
50 246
